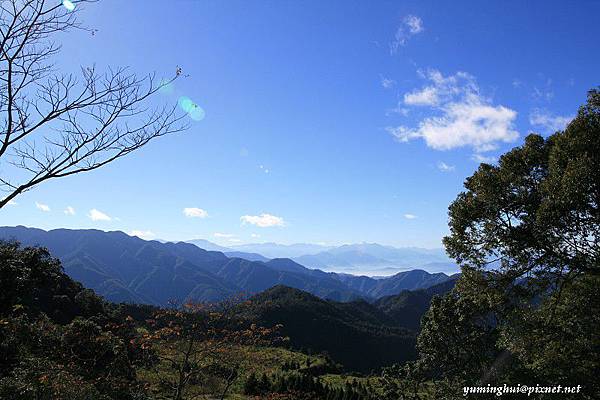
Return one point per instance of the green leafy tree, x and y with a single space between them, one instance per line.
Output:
526 234
57 339
30 278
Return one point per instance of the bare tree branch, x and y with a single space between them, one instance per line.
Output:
54 125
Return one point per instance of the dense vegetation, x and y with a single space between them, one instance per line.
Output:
526 309
60 340
316 325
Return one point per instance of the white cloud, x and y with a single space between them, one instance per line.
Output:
442 166
233 240
415 24
97 215
146 235
411 25
464 117
42 207
223 235
194 212
428 96
262 220
410 216
484 159
387 83
69 210
550 123
254 235
265 170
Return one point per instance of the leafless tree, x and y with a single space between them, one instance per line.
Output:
54 124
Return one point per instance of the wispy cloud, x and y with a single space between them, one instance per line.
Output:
399 109
442 166
547 121
410 26
42 207
254 235
428 96
387 83
97 215
223 235
194 212
543 91
146 235
462 116
262 220
410 216
69 210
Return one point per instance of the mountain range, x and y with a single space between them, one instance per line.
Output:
362 258
125 268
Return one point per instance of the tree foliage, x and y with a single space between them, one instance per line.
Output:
526 233
197 340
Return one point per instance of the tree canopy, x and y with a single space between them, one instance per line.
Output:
526 308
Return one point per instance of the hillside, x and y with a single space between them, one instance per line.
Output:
407 308
385 330
336 328
87 348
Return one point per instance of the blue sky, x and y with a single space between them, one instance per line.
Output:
330 122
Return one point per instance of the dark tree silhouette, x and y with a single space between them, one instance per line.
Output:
53 124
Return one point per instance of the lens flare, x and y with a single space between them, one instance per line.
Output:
196 113
68 4
186 103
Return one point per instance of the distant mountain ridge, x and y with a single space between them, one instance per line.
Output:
359 258
130 269
377 257
276 250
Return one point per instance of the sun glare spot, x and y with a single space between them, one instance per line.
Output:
192 109
196 113
69 5
186 103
